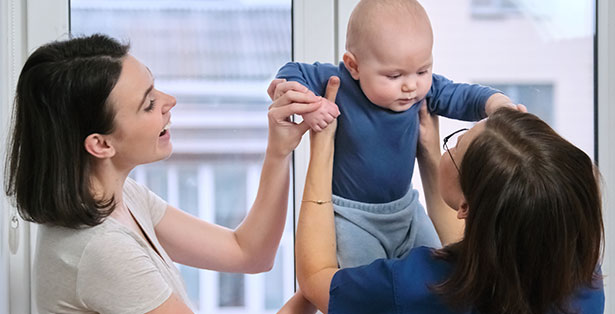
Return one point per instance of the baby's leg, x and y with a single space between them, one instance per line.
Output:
355 245
422 231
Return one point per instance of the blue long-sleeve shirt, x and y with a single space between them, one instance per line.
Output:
375 148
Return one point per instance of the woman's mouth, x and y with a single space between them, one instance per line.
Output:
165 129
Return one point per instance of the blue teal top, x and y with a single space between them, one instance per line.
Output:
402 286
375 147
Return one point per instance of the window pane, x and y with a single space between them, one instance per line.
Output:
216 58
230 191
543 57
231 287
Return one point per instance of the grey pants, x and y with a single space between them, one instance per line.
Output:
366 232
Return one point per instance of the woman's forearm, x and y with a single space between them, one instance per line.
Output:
315 243
260 232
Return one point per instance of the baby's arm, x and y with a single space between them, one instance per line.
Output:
469 102
314 77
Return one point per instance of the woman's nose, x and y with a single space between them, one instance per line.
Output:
169 103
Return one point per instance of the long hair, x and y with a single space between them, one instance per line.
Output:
61 98
534 228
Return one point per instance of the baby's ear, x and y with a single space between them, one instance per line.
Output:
98 146
350 62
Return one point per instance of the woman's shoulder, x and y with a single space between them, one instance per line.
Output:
143 202
59 257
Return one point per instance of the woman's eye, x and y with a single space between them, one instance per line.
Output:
151 105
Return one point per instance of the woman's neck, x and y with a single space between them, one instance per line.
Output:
108 181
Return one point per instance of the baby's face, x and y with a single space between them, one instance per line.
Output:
395 71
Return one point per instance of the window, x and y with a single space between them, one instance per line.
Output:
538 97
217 58
493 8
538 59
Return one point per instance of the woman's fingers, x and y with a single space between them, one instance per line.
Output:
293 96
281 88
272 87
283 112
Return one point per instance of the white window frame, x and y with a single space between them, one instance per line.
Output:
318 27
606 141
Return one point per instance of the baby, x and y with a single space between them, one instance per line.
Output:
385 74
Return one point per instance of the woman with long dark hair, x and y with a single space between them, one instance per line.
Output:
532 239
87 113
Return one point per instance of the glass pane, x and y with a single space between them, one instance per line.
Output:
157 181
543 57
231 287
217 58
187 177
230 191
538 97
274 284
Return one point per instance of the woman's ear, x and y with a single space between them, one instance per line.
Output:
462 210
350 62
98 146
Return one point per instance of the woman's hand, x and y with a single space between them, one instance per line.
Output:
331 93
429 136
289 98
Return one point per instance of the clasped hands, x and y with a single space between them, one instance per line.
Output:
324 112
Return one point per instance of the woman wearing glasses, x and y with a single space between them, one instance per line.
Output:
532 238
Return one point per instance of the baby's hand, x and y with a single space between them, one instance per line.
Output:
497 101
321 117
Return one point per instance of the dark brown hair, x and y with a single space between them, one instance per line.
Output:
61 98
534 228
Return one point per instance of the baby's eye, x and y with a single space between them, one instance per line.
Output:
393 76
422 72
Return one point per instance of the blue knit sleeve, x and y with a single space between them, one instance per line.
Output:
457 100
313 76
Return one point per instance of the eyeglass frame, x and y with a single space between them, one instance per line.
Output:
445 147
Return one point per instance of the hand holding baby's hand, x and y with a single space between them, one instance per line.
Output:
321 117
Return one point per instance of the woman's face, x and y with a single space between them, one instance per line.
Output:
450 188
141 131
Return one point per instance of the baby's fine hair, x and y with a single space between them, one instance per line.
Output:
368 13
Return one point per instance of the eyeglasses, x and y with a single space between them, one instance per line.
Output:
453 139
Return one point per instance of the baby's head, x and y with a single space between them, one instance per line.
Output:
388 49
